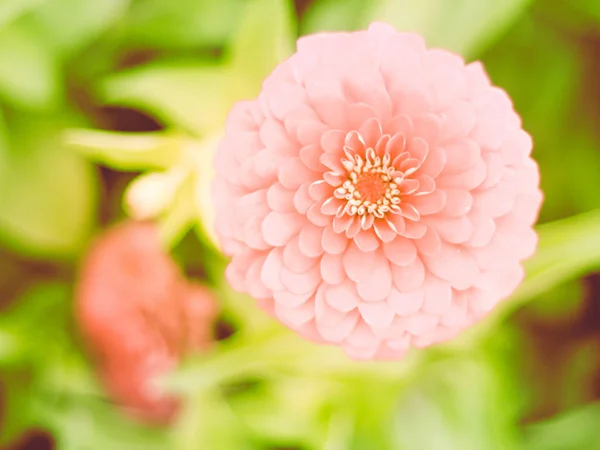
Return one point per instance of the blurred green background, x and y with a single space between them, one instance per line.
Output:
95 93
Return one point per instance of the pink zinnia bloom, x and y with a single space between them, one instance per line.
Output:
140 316
377 195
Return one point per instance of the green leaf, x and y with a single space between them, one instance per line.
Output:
12 9
567 249
264 39
220 428
48 194
336 15
126 151
464 26
29 73
67 26
545 101
459 403
191 96
184 23
575 429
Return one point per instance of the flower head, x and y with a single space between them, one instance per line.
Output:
140 315
378 194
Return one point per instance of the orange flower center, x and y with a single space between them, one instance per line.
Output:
372 186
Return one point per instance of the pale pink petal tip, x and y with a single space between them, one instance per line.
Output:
379 194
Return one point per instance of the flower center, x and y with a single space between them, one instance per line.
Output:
370 187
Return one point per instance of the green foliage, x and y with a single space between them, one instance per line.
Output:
48 194
464 26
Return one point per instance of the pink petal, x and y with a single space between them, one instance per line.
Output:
310 155
426 185
405 303
358 264
332 205
342 297
333 162
320 190
294 259
362 337
396 145
377 286
332 269
454 265
289 300
383 231
278 228
310 240
430 243
413 230
461 155
355 142
293 174
438 296
418 149
430 203
483 230
434 163
366 241
301 283
418 324
409 278
455 230
370 132
333 141
409 212
294 317
253 283
400 251
315 216
378 314
458 203
340 331
332 242
496 201
270 274
468 180
280 199
427 126
310 132
341 224
302 199
459 120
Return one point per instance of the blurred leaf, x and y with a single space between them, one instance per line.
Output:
336 15
464 26
194 97
545 100
29 73
66 26
17 398
264 39
567 248
207 422
203 190
575 429
180 215
465 403
12 9
185 23
126 151
48 194
80 423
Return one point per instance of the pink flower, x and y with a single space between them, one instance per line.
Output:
377 195
140 315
